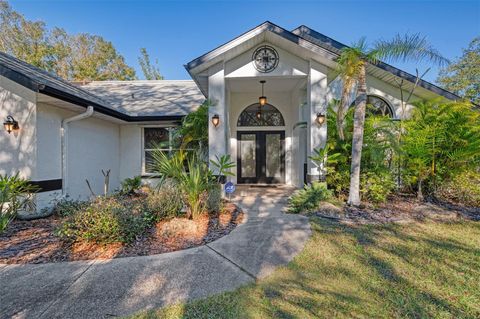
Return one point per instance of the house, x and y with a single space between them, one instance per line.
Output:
269 90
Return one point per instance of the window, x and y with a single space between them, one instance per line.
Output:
156 138
256 115
377 106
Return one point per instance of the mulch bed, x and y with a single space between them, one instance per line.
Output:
35 242
399 209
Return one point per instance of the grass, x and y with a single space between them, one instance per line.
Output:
420 270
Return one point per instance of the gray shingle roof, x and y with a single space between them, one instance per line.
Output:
152 100
148 98
35 78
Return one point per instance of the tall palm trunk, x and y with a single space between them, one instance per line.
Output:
343 106
357 140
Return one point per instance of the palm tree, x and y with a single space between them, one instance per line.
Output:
352 63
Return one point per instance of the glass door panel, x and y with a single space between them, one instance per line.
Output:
273 156
248 164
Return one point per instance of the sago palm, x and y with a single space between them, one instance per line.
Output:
353 63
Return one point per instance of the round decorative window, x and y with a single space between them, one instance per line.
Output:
265 59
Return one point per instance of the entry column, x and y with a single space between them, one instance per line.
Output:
217 136
317 133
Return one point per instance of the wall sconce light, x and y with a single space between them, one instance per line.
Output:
10 124
215 120
320 119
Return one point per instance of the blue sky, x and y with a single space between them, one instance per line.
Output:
176 32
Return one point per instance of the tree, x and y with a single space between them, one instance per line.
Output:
26 40
353 62
72 57
442 139
150 72
462 76
94 58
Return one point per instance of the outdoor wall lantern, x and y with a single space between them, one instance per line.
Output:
215 120
262 100
10 124
320 118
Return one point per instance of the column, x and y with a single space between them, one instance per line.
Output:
316 134
217 136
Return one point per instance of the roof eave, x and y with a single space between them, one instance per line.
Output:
335 47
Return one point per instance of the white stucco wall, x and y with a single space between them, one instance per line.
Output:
131 151
93 145
18 149
49 159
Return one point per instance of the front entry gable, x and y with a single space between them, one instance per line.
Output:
289 65
236 54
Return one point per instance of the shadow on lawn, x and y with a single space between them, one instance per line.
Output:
361 271
402 293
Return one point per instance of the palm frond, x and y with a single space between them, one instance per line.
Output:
407 47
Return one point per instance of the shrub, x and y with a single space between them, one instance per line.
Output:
166 201
15 195
440 140
308 198
214 198
376 187
194 184
463 188
66 207
106 220
131 185
339 181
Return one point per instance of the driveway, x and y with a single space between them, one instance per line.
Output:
268 238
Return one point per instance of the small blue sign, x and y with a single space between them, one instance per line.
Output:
229 188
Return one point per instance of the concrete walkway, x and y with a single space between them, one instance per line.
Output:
104 288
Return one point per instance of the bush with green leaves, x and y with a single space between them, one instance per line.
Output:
377 186
223 165
15 195
195 180
308 198
462 188
214 198
67 207
194 183
107 220
131 185
166 201
441 139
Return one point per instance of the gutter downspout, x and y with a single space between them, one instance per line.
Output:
64 136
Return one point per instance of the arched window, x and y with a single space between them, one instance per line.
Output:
377 106
256 115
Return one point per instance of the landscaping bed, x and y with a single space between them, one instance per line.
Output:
397 210
36 241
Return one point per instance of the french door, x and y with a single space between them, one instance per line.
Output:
261 157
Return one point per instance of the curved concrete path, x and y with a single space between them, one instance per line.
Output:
104 288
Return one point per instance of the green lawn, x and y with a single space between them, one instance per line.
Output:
421 270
